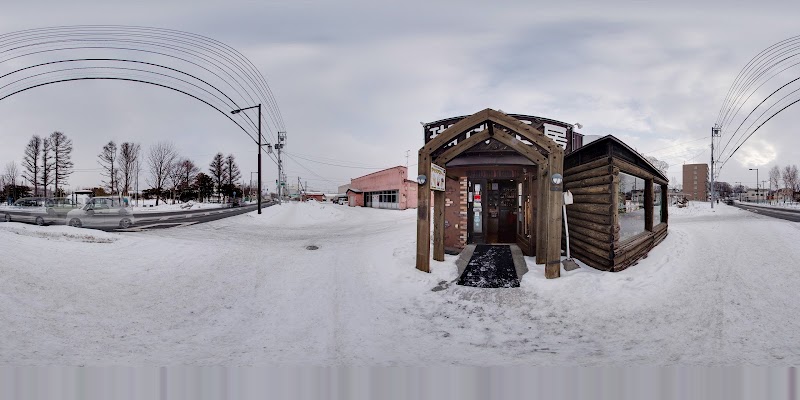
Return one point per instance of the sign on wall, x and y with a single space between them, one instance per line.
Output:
557 133
437 177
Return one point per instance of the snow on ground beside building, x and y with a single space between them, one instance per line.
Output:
245 290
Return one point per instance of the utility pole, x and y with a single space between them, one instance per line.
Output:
714 133
764 184
738 190
407 152
757 191
281 178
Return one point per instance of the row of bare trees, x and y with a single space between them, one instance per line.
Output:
47 161
788 175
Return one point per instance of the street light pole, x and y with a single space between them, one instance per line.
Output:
756 169
259 149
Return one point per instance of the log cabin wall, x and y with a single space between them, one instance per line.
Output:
592 231
592 174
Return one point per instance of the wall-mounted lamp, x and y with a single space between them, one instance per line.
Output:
421 179
557 179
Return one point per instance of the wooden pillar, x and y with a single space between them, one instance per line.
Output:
555 199
423 214
438 225
541 214
664 204
648 205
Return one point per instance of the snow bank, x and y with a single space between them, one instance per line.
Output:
55 232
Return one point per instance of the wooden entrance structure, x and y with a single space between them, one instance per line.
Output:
526 140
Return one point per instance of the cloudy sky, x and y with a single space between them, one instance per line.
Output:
354 79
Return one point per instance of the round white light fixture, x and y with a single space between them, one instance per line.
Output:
421 179
557 179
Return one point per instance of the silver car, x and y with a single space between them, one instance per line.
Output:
37 210
102 212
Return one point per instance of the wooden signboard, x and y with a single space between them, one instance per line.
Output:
437 177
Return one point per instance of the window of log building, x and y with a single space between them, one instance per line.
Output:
656 204
631 206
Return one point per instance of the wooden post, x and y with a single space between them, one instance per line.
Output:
541 214
648 204
438 225
664 204
423 214
555 199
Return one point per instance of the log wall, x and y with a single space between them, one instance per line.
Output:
591 233
593 219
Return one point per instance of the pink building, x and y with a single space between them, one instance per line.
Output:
389 188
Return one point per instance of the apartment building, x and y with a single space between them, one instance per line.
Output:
695 181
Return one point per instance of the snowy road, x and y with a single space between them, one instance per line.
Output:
244 290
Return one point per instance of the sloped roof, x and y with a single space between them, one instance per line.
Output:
619 144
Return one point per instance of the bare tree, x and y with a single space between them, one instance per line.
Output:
774 177
108 160
660 165
217 170
232 173
189 171
128 155
160 159
10 176
33 150
62 158
47 165
789 176
175 176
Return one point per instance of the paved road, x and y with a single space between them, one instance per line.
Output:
162 220
787 214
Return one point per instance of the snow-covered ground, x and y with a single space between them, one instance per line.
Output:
148 206
721 289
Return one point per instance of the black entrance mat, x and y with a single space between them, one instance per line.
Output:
490 267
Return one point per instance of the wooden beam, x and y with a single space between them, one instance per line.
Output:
600 180
528 132
603 170
604 198
527 151
601 228
629 168
599 209
438 225
423 214
590 259
605 220
599 189
455 130
603 237
584 167
461 147
587 247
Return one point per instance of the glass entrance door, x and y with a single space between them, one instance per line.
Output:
475 212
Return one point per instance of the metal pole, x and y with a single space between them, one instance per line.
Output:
279 147
714 131
259 158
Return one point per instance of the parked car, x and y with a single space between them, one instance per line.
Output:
36 210
102 212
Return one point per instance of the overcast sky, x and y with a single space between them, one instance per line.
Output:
354 79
